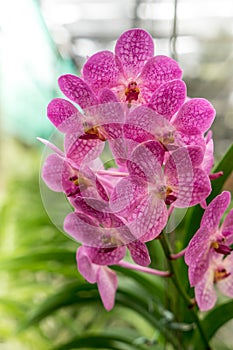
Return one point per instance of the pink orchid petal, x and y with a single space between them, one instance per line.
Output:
143 124
215 211
227 228
106 256
93 207
208 161
126 195
107 96
85 150
107 285
83 229
64 115
226 285
198 266
197 245
85 266
52 172
107 113
121 149
102 70
148 219
204 292
158 70
186 139
139 253
201 187
189 184
134 47
195 116
77 90
52 147
146 161
168 98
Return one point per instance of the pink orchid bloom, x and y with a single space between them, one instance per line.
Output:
86 132
94 226
61 175
142 196
171 121
219 273
210 238
92 264
132 73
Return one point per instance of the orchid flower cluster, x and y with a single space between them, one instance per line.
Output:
134 105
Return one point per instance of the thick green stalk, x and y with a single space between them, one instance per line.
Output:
185 296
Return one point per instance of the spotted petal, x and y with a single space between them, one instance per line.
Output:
148 219
126 195
215 211
227 227
52 172
195 116
134 47
107 285
198 244
77 90
102 70
64 115
204 292
84 150
139 253
226 285
106 256
146 161
85 266
168 98
159 70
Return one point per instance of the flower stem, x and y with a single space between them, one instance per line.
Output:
178 255
149 270
189 302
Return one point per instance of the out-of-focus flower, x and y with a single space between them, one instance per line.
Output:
210 238
219 273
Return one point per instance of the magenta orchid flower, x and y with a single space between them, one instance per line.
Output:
170 122
210 238
132 73
93 225
143 195
219 273
92 264
61 176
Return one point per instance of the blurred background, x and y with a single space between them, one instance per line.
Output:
39 41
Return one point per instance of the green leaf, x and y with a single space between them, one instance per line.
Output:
102 341
226 166
217 318
84 294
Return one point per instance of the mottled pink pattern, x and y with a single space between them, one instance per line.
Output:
77 90
133 62
168 98
195 116
205 293
209 240
133 107
105 278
